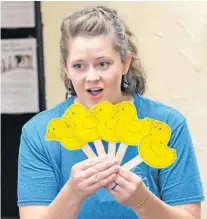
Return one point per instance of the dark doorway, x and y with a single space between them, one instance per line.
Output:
11 124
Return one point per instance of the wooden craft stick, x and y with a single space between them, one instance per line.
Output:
99 147
133 163
88 151
121 151
112 148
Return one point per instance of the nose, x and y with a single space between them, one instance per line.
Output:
92 76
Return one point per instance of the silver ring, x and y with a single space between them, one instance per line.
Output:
114 186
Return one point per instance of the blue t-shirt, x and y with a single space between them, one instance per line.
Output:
45 166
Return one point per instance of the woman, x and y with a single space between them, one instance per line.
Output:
99 62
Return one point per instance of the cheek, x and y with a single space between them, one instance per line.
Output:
78 84
114 76
76 78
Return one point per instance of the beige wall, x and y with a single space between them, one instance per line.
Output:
172 39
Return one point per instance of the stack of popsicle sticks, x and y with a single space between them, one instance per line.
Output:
115 124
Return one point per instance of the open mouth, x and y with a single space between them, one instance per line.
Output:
95 91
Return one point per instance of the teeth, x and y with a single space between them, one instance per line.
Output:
95 89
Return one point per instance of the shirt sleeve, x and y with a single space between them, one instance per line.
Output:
36 180
181 183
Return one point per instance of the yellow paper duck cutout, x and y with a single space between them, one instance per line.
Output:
161 131
129 129
58 130
85 124
154 150
114 123
104 112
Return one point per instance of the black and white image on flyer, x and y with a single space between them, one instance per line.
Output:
19 76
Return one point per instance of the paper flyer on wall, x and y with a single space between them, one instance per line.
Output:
17 14
19 76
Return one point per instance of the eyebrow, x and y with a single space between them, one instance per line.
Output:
77 60
101 57
81 60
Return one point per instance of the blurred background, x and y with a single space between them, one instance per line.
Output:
172 42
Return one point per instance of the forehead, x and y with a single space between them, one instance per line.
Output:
91 47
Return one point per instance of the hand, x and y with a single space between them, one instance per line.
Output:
130 191
92 174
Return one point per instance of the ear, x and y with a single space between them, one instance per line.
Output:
127 62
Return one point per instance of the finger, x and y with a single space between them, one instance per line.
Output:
127 175
121 183
113 192
100 176
93 161
117 192
120 190
103 183
100 167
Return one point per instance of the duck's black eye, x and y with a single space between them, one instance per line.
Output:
122 108
73 113
53 128
160 128
100 109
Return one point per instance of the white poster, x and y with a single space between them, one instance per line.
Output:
19 76
17 14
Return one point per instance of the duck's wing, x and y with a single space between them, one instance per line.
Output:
111 124
159 149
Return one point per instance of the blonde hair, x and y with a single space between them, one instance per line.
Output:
97 21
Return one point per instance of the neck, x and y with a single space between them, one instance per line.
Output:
123 97
115 100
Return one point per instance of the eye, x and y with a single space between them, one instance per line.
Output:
73 113
100 109
160 128
122 108
78 66
103 64
53 128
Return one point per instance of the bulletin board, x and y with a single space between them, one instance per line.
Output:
23 88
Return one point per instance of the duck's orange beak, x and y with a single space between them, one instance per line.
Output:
49 136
